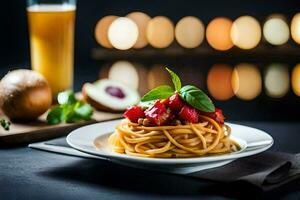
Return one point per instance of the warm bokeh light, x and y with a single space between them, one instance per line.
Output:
160 32
246 81
218 33
295 28
245 32
101 30
276 30
123 33
296 79
219 82
189 32
124 72
141 20
158 76
277 81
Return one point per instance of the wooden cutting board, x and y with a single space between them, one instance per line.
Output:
21 133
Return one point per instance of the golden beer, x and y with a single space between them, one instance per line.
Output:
51 31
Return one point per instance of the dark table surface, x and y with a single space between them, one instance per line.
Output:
32 174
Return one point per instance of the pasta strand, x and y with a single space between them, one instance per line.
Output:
180 141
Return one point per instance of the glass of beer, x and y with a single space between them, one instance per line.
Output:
51 32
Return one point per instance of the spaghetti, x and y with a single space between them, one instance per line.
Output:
206 137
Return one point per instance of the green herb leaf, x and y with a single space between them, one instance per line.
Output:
68 112
83 111
78 112
175 79
66 97
160 92
69 109
197 98
55 115
5 124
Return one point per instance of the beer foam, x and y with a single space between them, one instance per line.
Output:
51 8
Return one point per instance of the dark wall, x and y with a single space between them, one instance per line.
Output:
14 47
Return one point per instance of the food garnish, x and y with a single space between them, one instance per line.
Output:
5 124
174 105
189 94
69 109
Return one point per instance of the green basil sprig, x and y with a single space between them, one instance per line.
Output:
160 92
189 93
69 109
196 98
175 79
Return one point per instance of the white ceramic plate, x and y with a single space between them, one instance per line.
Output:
252 141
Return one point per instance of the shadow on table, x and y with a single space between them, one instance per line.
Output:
108 174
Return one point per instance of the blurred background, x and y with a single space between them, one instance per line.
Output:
252 75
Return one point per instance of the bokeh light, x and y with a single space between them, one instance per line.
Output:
246 81
295 28
189 32
218 33
157 76
277 81
245 32
124 72
160 32
123 33
276 30
296 79
219 82
141 20
101 30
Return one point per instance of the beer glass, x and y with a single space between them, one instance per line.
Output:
51 32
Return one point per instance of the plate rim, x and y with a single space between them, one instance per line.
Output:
178 161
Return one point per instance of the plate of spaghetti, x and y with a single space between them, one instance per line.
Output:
176 126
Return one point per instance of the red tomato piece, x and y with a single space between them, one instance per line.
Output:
158 114
188 114
134 113
175 103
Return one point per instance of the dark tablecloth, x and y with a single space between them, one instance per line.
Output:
31 174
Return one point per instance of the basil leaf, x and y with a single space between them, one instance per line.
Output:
68 112
84 111
160 92
69 109
175 79
55 115
66 97
197 98
77 112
